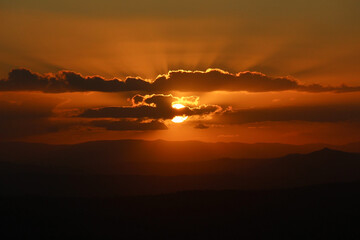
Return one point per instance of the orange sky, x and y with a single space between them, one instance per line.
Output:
264 92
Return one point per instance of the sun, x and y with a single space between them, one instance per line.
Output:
179 119
178 106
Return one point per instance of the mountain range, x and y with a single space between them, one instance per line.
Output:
111 168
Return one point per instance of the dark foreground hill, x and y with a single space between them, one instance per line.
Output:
316 212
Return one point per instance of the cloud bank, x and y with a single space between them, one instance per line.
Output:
180 80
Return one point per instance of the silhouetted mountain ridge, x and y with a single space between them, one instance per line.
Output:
107 178
159 150
328 152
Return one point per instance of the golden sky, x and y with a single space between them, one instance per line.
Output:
247 71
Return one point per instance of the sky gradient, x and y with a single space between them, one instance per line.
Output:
245 71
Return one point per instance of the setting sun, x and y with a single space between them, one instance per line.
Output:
179 119
178 106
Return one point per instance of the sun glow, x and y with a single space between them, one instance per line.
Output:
179 119
178 106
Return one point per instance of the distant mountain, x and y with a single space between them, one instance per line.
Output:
94 155
150 177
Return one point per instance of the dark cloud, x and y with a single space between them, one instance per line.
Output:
194 81
67 81
13 110
156 106
216 79
213 80
127 125
201 126
20 119
24 116
333 113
